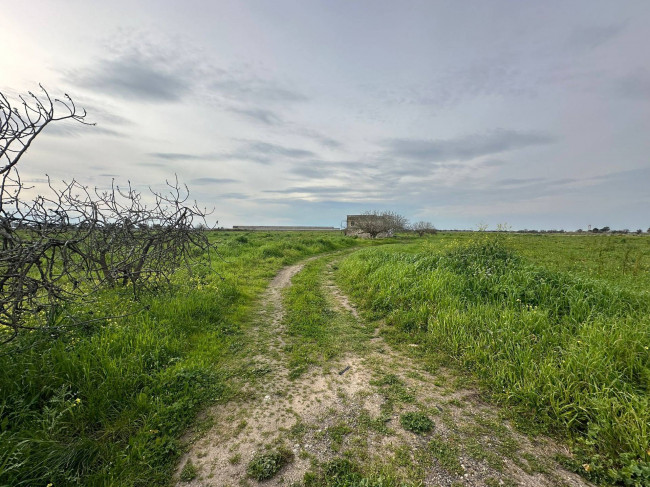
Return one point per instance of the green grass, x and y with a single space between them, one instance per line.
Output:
106 404
416 422
316 333
266 465
343 472
567 350
188 472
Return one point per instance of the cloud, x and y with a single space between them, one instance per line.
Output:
205 181
265 152
248 150
234 196
180 156
79 129
464 148
320 138
594 36
260 147
136 76
313 170
259 115
636 85
245 87
518 181
311 190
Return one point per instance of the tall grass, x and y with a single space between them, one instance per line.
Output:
107 404
568 353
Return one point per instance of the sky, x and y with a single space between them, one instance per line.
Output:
463 113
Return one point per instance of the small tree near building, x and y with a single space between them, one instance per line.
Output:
376 223
423 228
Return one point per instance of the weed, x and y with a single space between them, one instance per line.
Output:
446 454
337 433
189 471
265 465
416 422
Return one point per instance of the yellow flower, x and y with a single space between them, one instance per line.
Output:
587 467
49 485
78 401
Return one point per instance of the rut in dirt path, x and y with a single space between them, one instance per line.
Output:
352 406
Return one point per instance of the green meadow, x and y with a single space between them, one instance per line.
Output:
107 403
554 328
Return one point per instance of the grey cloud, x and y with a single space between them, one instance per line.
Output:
319 169
265 152
249 150
205 181
331 143
542 183
266 117
240 87
135 76
181 156
311 190
464 148
78 129
320 138
594 36
312 171
493 163
152 164
635 85
518 181
234 196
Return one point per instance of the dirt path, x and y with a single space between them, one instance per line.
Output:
352 409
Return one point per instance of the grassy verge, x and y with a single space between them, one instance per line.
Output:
568 352
317 333
106 404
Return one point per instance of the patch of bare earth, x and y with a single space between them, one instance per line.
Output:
352 408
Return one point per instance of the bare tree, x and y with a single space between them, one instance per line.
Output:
19 126
423 228
375 223
70 242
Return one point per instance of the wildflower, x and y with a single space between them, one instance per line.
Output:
587 467
78 401
49 485
645 348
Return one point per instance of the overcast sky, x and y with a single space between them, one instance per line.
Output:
530 113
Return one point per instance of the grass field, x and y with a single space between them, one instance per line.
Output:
556 327
106 405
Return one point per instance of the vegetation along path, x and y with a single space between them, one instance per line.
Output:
328 402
